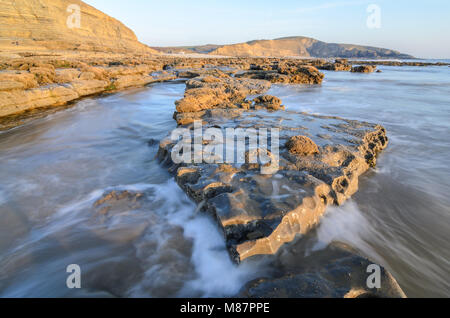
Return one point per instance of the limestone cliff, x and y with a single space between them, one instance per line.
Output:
304 47
42 25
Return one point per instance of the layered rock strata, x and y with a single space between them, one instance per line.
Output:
52 25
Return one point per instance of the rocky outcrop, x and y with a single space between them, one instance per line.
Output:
338 65
268 102
286 72
206 93
364 69
335 272
30 25
45 86
259 213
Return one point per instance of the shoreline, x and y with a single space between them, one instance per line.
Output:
37 82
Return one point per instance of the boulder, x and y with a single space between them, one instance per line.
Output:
302 145
268 102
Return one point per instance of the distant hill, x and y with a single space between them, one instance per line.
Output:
42 24
297 46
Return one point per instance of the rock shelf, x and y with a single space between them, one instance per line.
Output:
259 213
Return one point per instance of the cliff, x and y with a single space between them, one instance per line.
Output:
43 25
292 47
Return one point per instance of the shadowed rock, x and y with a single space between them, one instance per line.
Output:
335 272
268 102
338 65
364 69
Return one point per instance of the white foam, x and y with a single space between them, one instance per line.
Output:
181 250
216 274
345 224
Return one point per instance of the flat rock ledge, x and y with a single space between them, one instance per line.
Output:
257 212
45 86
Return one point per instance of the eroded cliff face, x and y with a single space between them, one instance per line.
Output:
42 25
304 47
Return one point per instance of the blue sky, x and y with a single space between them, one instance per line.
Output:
420 28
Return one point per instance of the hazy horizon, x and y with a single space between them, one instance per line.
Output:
417 28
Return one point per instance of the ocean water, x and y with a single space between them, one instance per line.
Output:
400 216
53 169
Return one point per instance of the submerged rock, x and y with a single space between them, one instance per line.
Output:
335 272
117 201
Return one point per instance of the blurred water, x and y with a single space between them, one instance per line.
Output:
401 215
53 169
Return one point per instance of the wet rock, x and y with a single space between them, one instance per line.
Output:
206 93
301 145
152 142
15 101
268 102
335 272
287 73
338 65
277 78
118 201
364 69
302 74
258 212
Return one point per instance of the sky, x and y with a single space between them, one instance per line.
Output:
419 28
